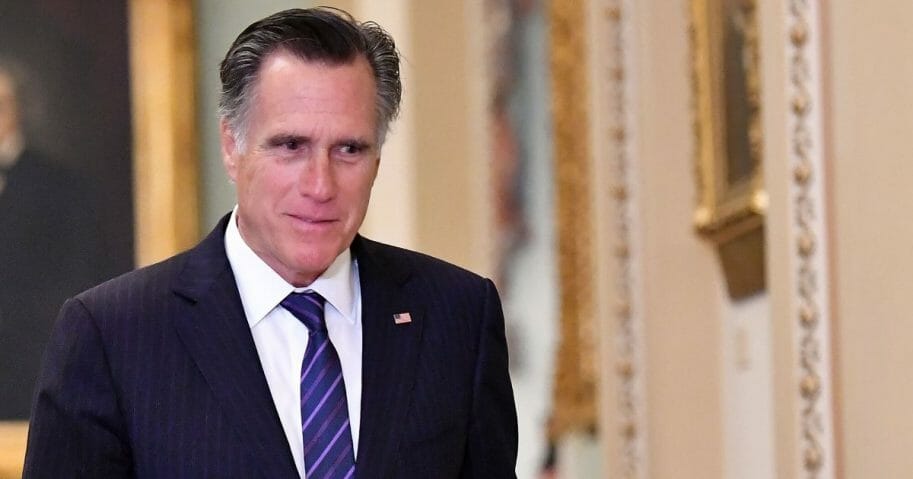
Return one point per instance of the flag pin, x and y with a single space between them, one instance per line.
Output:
402 318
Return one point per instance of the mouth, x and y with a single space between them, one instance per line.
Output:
311 221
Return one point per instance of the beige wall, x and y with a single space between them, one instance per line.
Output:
871 116
683 292
451 169
784 390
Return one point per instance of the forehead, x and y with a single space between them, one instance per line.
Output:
301 97
284 75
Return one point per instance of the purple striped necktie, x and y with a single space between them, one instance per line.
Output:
328 452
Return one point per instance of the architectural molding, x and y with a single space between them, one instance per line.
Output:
808 235
629 365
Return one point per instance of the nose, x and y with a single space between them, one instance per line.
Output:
317 179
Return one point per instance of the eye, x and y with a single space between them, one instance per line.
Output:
288 143
351 148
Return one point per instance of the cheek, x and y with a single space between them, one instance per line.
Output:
247 186
360 191
365 179
260 183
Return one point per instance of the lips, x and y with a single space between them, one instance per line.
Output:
312 220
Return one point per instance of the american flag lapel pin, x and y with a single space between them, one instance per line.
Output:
402 318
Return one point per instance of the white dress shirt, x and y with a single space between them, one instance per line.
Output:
281 338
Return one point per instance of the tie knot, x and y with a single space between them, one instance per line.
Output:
308 308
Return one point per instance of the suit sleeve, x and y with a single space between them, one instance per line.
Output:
491 451
76 428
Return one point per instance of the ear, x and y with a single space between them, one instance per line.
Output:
230 151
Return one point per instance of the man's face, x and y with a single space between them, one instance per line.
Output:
309 160
9 114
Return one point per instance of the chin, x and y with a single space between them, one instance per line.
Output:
316 258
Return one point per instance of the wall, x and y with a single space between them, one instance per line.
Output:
452 181
871 120
683 291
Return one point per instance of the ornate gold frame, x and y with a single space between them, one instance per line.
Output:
574 408
729 213
165 166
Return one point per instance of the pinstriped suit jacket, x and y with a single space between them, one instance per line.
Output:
155 375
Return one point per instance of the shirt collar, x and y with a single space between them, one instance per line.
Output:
262 289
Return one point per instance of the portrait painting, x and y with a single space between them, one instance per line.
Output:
66 207
730 196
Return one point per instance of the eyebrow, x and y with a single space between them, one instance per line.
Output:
283 138
355 142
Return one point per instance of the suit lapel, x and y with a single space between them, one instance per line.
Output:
389 357
217 336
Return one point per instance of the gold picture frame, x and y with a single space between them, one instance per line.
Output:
727 123
165 170
575 399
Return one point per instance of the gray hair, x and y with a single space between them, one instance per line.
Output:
319 34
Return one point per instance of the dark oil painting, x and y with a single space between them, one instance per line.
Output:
66 208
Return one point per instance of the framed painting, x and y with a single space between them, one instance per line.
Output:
90 94
727 123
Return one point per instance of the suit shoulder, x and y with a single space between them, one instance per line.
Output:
426 267
156 278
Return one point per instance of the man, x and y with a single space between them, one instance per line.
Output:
284 344
47 245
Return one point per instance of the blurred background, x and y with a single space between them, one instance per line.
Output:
693 210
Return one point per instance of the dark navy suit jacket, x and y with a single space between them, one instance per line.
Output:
155 375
